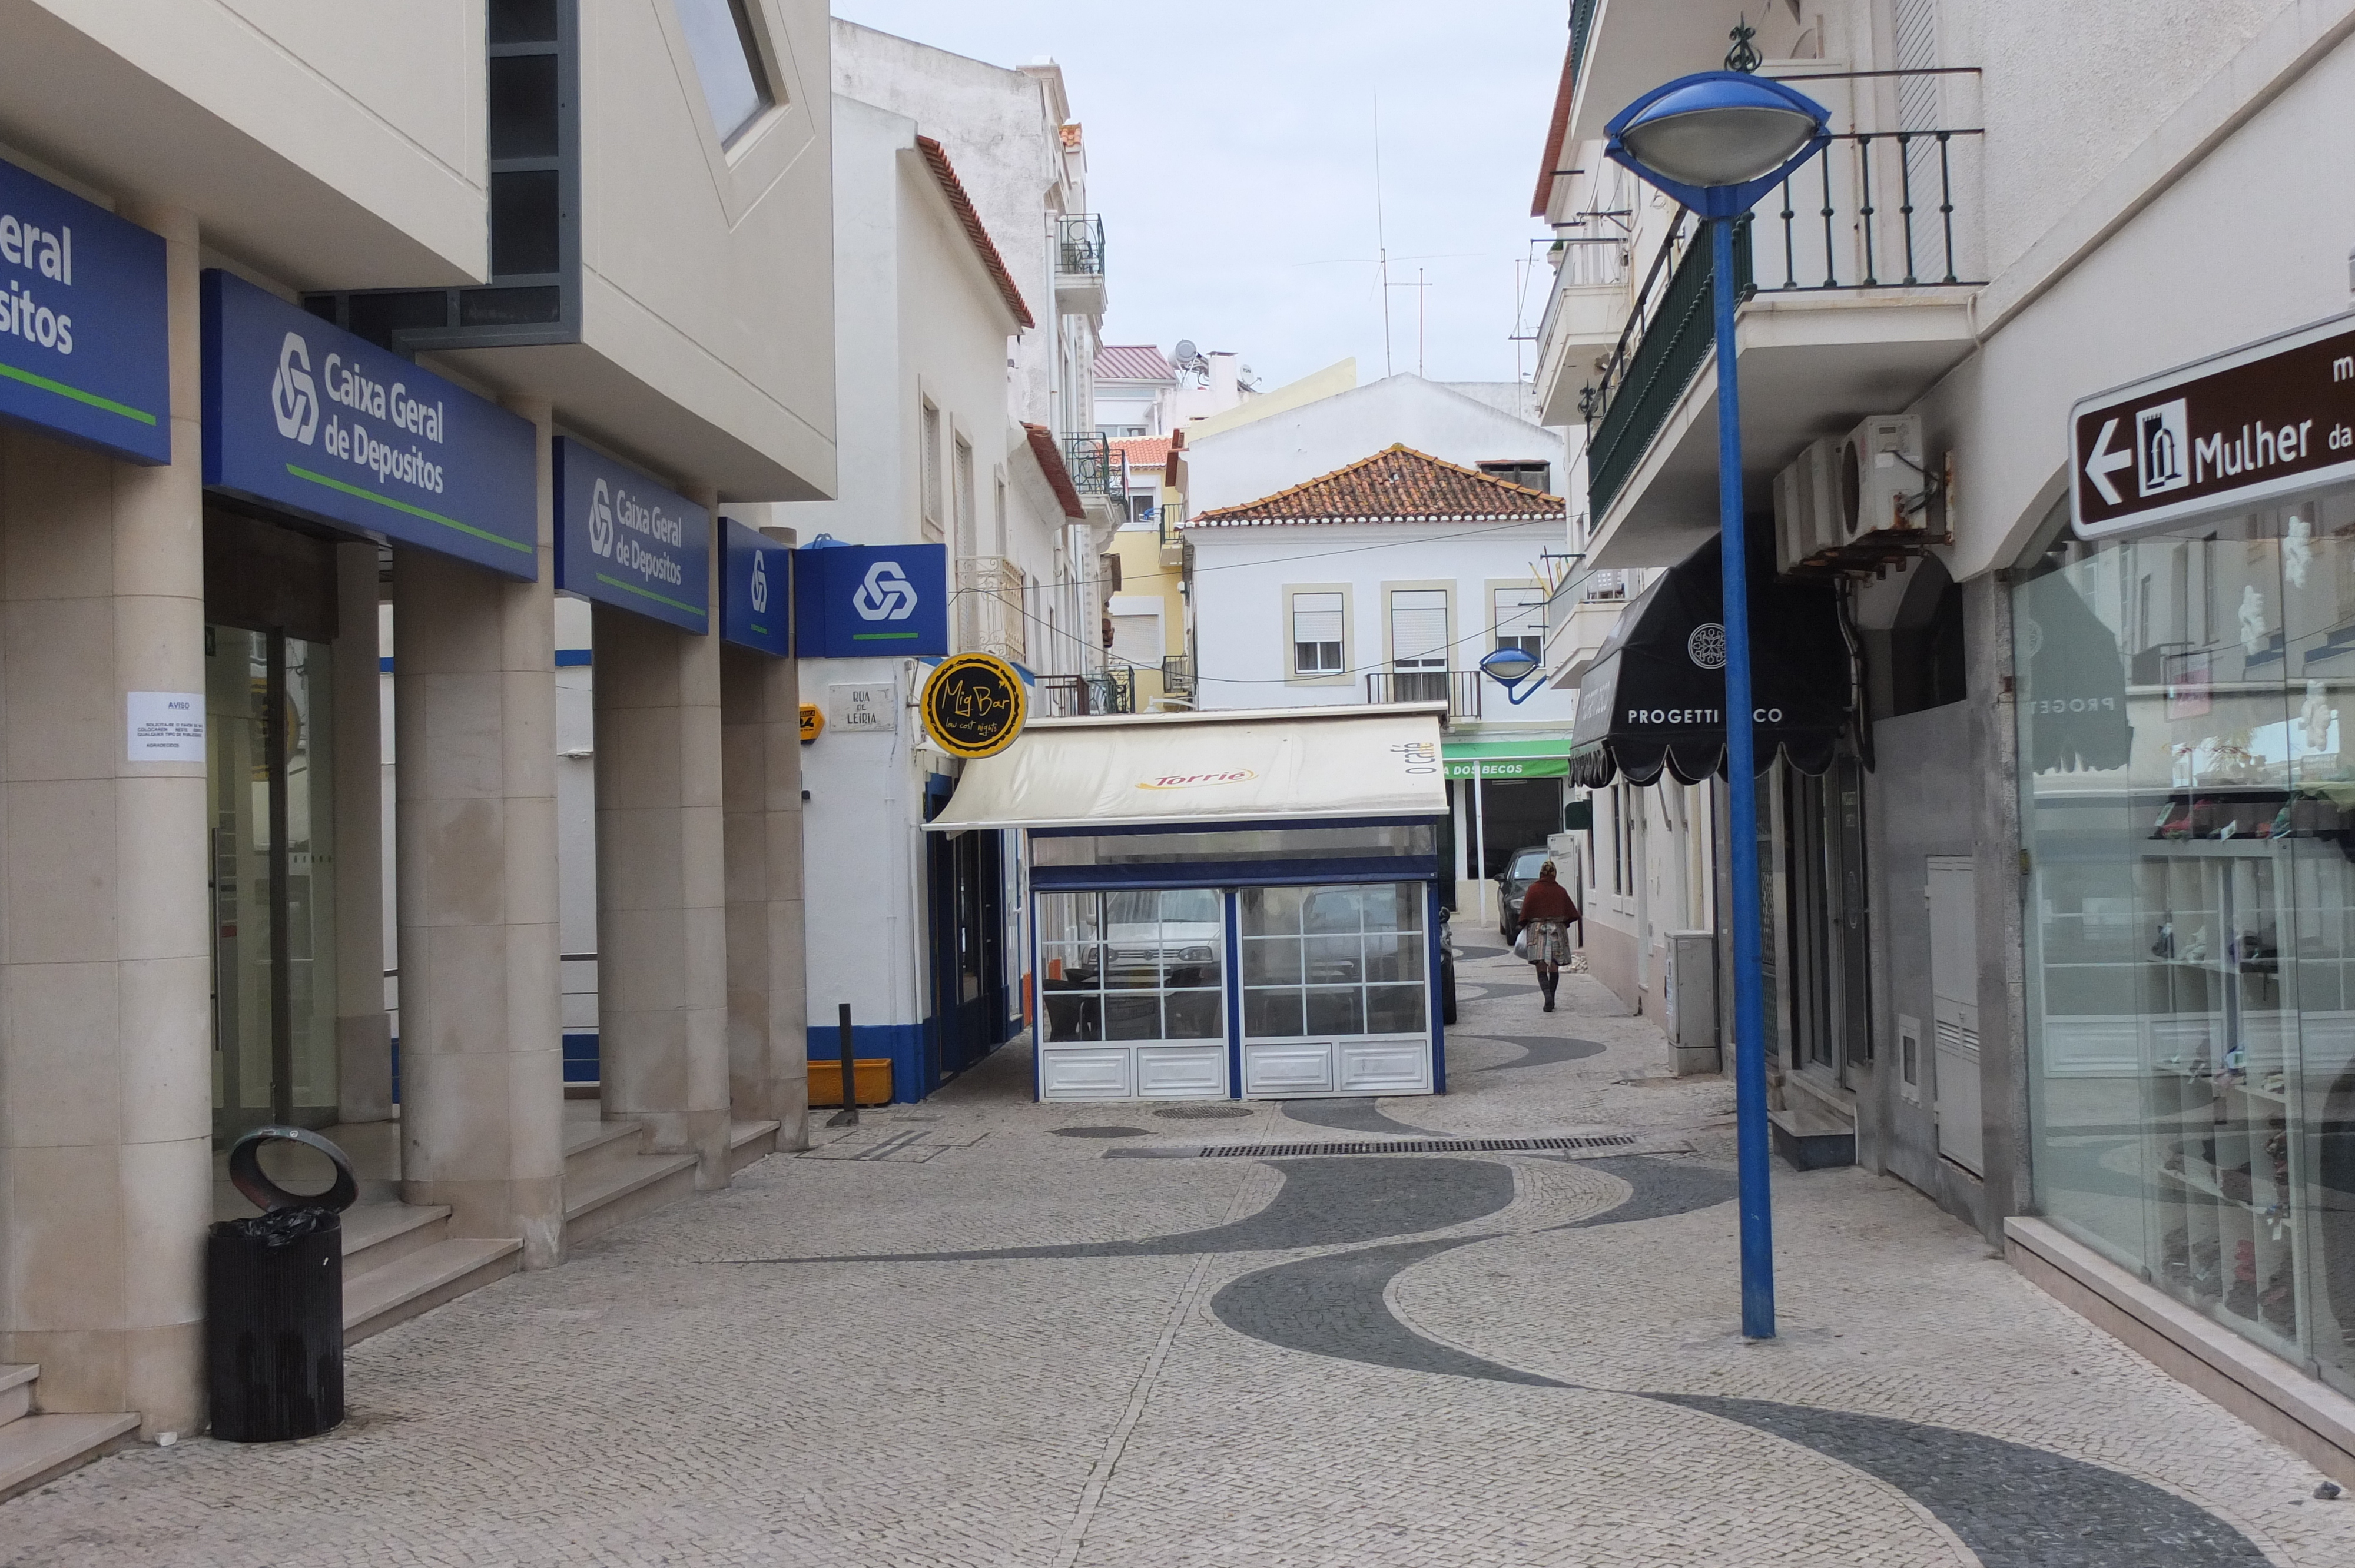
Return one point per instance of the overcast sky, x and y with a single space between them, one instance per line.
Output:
1231 150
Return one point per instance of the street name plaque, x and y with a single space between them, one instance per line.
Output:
2271 420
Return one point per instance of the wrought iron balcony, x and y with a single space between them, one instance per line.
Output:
1459 689
1178 676
1080 264
1873 210
1089 459
1077 696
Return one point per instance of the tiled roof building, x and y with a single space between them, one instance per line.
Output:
1397 485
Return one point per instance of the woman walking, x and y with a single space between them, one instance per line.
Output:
1547 910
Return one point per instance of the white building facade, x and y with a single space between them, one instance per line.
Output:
2058 934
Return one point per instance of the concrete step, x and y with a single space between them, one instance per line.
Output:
377 1233
418 1281
615 1194
16 1392
1811 1136
749 1140
591 1147
34 1449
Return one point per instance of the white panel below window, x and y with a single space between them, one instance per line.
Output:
1181 1072
1385 1066
1086 1072
1275 1070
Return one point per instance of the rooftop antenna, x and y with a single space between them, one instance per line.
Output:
1382 241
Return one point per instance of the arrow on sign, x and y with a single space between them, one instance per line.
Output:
2106 463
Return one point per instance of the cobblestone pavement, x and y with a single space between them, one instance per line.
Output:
980 1332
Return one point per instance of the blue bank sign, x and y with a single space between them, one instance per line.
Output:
303 415
83 341
870 601
755 596
623 540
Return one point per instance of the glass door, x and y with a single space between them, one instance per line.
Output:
272 880
1336 991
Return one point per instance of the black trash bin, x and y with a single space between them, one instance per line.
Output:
274 1302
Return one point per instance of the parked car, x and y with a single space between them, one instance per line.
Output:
1512 882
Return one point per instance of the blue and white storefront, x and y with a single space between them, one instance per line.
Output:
1226 904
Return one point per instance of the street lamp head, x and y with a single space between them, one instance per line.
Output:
1509 666
1718 141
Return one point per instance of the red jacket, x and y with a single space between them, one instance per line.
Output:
1548 899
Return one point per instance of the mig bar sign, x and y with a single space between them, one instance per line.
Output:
2258 424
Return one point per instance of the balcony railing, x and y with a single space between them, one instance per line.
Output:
991 602
1459 689
1178 676
1859 214
1606 586
1077 696
1089 458
1080 246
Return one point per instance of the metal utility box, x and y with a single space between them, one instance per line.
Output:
1689 1003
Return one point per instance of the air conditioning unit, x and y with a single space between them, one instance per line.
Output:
1879 471
1806 515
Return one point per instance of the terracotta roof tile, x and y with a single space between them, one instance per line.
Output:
1399 485
945 173
1557 132
1144 451
1051 463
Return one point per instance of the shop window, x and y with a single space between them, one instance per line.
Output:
1138 964
2189 840
1317 633
1519 619
728 62
1333 960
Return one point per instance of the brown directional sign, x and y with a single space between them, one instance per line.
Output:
2258 424
973 705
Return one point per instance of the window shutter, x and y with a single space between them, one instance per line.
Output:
1419 627
1317 617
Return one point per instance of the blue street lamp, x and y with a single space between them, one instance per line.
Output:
1509 666
1718 141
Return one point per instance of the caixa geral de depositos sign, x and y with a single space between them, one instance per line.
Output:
83 325
301 415
623 540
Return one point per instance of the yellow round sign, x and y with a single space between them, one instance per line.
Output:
973 705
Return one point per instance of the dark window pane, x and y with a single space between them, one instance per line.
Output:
1270 911
1336 1010
377 317
1271 961
1394 1009
1075 1017
1270 1014
523 106
1333 961
1131 1017
510 307
1195 1015
523 21
524 224
1332 909
1392 957
735 87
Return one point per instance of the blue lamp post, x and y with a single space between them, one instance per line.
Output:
1510 666
1718 141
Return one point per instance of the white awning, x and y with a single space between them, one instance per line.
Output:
1143 769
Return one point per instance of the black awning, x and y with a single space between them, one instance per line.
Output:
1656 696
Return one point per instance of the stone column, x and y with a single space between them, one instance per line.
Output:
363 1028
482 1064
105 934
662 936
768 1053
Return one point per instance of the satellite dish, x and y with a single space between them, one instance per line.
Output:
1186 349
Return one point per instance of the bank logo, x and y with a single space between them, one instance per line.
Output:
2162 442
760 582
293 397
1706 646
886 595
601 520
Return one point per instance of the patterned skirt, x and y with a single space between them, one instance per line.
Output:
1548 942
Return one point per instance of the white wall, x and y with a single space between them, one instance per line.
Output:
1282 450
1243 625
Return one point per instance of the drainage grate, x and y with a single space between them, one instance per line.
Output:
1418 1146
